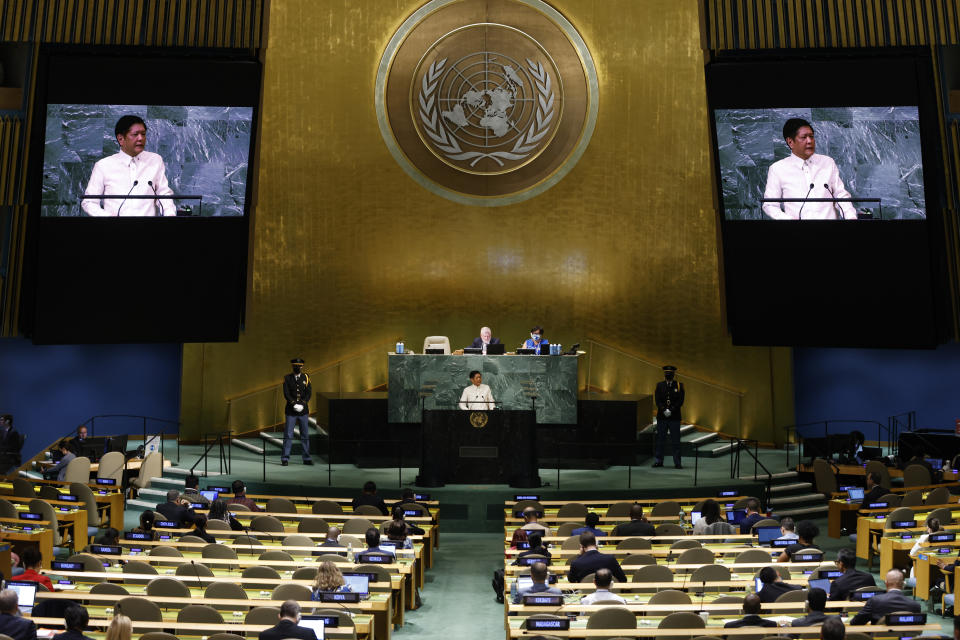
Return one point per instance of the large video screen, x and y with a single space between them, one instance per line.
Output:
829 163
195 156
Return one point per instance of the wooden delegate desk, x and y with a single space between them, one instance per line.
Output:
74 518
926 572
649 630
111 500
203 630
873 520
42 537
487 447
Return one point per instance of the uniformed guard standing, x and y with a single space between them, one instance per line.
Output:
297 390
669 399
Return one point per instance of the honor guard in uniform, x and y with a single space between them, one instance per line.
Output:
669 399
297 391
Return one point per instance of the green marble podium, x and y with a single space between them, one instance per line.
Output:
419 382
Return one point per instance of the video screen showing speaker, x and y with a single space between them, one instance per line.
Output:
821 163
141 194
145 160
829 187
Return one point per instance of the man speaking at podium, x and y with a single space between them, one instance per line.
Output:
477 396
805 174
129 172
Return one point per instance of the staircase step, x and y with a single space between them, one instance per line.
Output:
783 475
248 446
806 497
699 438
801 511
271 439
794 486
180 471
716 449
138 504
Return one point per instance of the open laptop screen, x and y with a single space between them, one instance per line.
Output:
855 493
358 582
820 583
768 534
314 622
26 595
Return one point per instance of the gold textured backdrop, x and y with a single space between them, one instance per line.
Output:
349 253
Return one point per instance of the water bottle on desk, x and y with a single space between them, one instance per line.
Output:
400 347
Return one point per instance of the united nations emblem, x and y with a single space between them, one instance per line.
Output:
478 419
487 102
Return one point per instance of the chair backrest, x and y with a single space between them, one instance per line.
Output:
612 618
742 502
666 508
227 591
202 613
670 596
567 528
291 591
111 588
653 573
753 555
276 555
916 475
48 492
571 544
84 493
892 499
46 511
111 466
880 468
573 510
296 540
163 551
90 563
136 566
344 617
312 525
193 569
214 550
735 602
912 498
696 556
898 515
413 506
682 620
151 467
268 524
686 544
766 522
823 476
637 559
635 543
139 609
262 615
193 539
262 571
669 529
280 505
619 510
332 557
436 342
940 495
710 573
520 505
7 510
23 488
223 635
169 587
356 526
367 510
158 635
327 506
78 470
305 573
796 595
943 514
215 524
238 506
381 573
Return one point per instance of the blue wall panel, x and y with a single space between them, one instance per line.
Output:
50 389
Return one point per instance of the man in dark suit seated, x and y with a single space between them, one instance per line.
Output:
883 603
816 603
753 516
538 572
177 509
637 525
370 497
486 337
11 624
536 548
590 560
773 585
851 580
833 629
287 627
751 618
873 491
75 619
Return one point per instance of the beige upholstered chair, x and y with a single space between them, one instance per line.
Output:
436 342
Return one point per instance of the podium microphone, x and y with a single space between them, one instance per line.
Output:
155 202
135 182
804 202
835 204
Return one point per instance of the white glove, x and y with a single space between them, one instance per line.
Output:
298 408
666 413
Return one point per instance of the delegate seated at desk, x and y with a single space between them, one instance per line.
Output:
486 338
537 341
476 396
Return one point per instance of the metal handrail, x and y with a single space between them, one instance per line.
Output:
212 439
735 465
826 432
91 423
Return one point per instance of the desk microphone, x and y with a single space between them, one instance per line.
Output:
804 202
835 203
150 182
135 182
197 573
249 539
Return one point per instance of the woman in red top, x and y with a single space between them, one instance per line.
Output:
31 560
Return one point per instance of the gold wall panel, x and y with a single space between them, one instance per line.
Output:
349 253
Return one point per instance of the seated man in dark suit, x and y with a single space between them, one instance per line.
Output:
75 619
833 629
637 526
536 548
773 585
373 543
591 521
11 624
751 618
333 538
806 532
883 603
370 497
177 509
486 337
287 627
851 580
873 491
816 603
590 560
753 516
539 574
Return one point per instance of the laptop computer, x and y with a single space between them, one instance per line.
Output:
26 595
757 585
524 582
820 583
526 352
768 534
317 623
855 494
358 583
210 495
695 516
496 349
735 516
435 352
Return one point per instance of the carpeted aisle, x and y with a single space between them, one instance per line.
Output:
458 601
